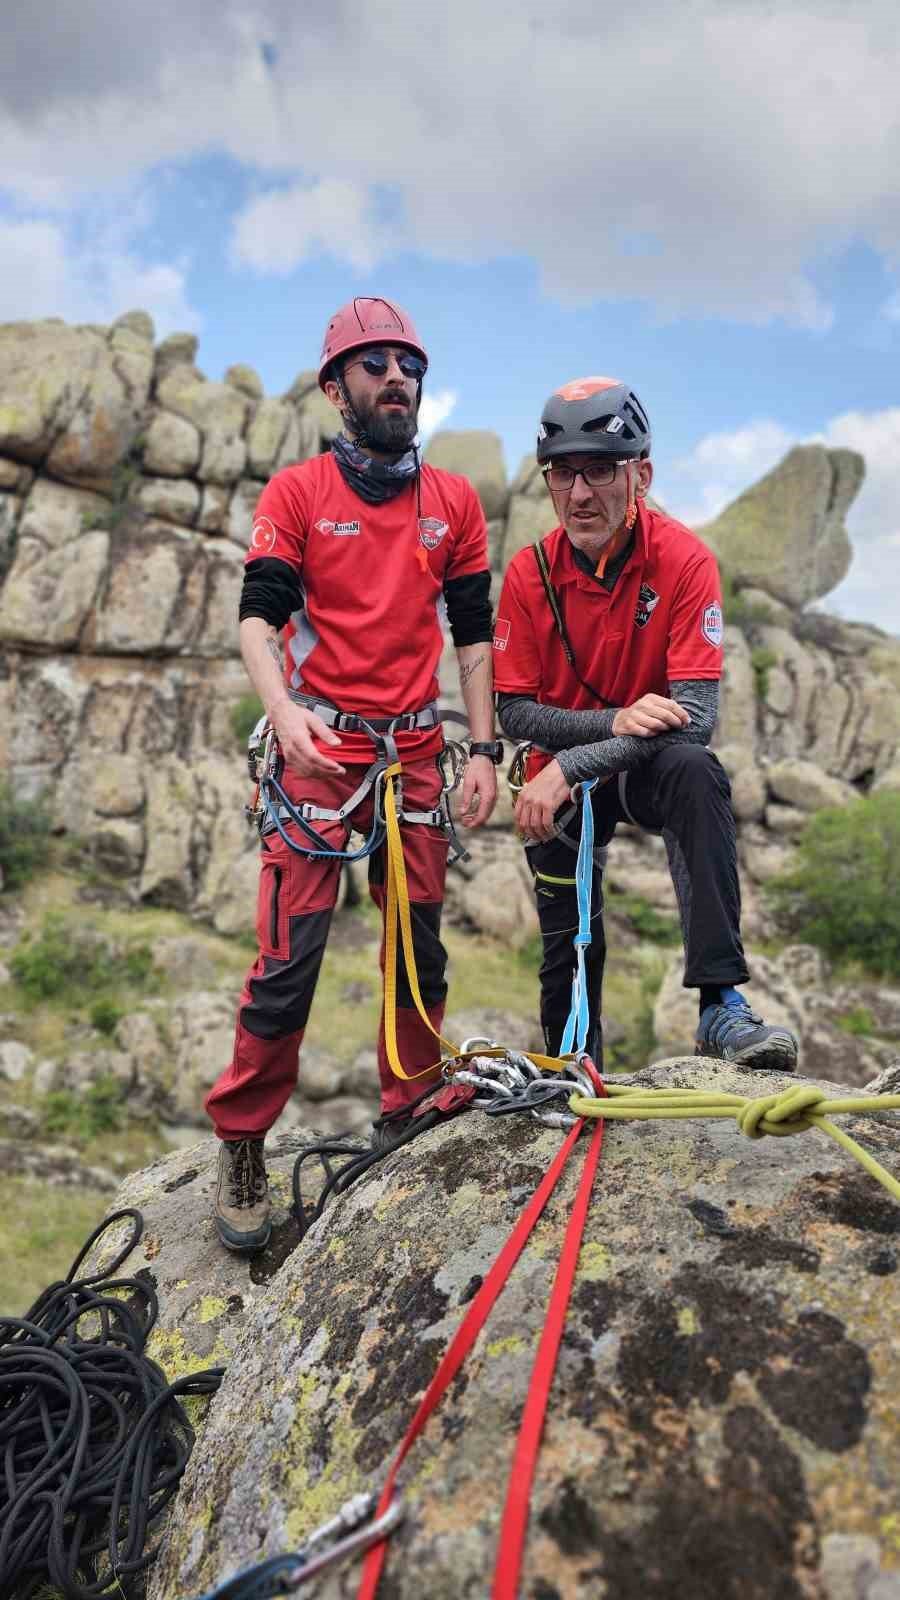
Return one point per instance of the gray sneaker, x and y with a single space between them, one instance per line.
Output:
242 1195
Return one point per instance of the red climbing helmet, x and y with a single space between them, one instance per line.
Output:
363 321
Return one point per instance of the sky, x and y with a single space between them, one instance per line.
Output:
703 199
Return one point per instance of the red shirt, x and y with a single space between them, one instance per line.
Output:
369 637
661 622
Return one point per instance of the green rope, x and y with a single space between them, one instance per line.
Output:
792 1111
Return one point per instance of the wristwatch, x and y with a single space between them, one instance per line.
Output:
492 748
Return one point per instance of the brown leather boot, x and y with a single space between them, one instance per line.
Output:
242 1195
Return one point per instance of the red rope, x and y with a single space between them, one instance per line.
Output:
521 1473
468 1332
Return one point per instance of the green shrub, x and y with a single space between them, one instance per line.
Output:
24 836
245 714
66 963
105 1015
843 893
762 661
83 1116
645 919
742 613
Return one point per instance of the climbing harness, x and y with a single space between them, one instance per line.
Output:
354 1529
271 807
516 780
93 1438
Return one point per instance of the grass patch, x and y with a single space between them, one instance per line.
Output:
650 924
762 660
42 1229
80 1117
64 961
859 1021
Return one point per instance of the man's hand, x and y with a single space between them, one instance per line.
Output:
539 802
479 791
653 713
296 728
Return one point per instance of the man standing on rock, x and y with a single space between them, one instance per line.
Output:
607 659
350 555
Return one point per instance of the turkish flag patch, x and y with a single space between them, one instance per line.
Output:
501 633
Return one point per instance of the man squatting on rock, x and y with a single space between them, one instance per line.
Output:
639 600
350 555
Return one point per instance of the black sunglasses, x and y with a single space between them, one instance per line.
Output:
376 364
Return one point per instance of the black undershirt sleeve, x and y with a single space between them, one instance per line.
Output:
271 590
469 608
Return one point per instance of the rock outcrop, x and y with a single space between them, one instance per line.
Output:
723 1418
786 535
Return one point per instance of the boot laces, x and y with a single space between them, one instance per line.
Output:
246 1171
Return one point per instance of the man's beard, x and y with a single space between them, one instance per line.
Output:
391 432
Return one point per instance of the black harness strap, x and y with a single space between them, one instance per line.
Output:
540 556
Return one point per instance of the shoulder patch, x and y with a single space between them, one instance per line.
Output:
502 630
712 626
264 536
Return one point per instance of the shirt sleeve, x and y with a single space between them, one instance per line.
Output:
517 662
694 648
470 547
280 521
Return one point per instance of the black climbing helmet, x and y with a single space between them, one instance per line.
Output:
594 416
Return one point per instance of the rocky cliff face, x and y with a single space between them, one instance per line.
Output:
127 485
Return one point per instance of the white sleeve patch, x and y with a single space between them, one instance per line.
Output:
502 630
712 626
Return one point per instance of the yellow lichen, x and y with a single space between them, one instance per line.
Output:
594 1263
211 1306
687 1320
499 1347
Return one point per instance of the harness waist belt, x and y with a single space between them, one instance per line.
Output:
355 722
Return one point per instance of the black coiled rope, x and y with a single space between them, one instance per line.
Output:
93 1441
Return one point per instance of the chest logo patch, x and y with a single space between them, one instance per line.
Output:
431 531
647 602
712 626
501 633
341 530
264 536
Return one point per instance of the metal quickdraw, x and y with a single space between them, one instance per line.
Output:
286 1573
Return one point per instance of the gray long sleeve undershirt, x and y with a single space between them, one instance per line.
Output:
583 741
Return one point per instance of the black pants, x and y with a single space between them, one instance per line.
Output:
684 794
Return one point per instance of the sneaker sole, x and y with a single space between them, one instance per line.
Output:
243 1243
772 1055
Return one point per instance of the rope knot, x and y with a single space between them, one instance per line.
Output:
789 1111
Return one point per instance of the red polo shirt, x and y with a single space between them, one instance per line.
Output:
661 622
369 637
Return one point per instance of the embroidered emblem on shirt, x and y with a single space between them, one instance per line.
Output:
431 531
341 530
712 626
264 535
501 633
647 601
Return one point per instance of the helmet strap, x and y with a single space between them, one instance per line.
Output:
631 510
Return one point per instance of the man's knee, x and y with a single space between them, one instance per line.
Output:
693 771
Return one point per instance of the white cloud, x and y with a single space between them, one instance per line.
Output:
278 230
722 465
698 157
434 411
48 272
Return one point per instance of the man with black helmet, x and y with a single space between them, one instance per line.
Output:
350 555
607 659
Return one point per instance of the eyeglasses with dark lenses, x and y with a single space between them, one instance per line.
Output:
376 364
597 474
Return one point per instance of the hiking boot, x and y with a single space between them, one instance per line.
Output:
387 1130
735 1033
242 1195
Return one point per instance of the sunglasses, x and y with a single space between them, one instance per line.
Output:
376 364
597 474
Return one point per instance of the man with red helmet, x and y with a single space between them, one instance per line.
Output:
350 556
608 654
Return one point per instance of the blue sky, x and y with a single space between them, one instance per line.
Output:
703 199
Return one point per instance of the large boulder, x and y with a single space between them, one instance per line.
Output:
477 454
724 1287
786 534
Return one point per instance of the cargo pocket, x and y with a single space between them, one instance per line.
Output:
269 911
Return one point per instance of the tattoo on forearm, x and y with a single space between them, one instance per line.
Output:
465 672
272 647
